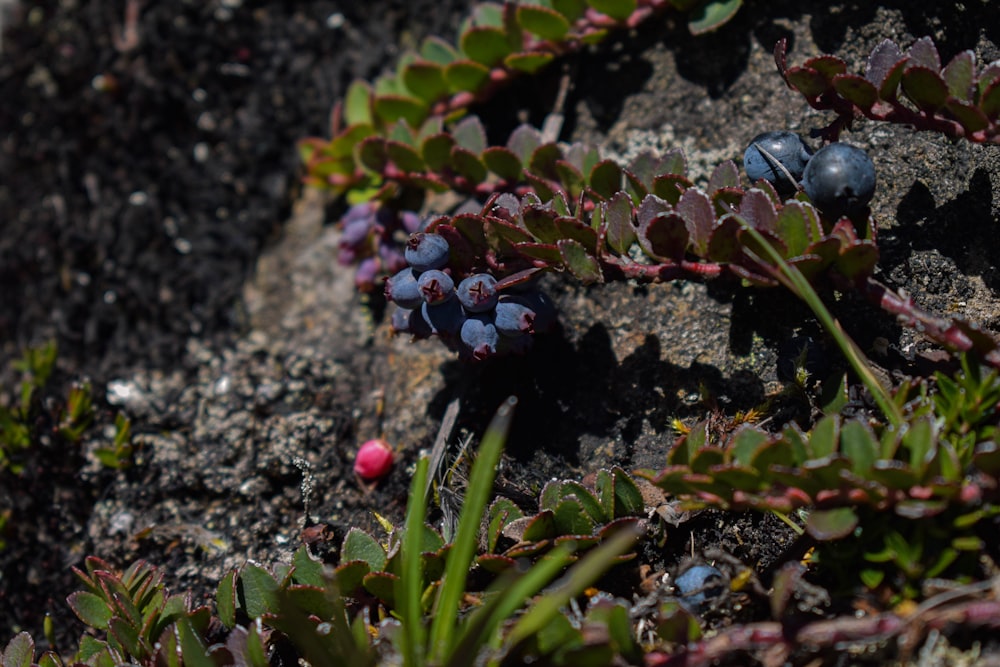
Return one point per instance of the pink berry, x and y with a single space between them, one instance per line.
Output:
374 460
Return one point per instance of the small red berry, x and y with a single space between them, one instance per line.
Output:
374 460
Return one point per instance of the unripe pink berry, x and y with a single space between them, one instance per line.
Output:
374 460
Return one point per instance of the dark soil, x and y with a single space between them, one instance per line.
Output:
154 227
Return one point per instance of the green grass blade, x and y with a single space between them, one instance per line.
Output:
506 596
792 278
467 535
409 587
588 570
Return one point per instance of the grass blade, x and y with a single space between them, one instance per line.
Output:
463 549
409 587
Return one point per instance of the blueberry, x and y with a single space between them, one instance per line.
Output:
356 233
392 259
785 147
478 293
426 251
410 221
435 286
840 179
480 335
698 586
403 290
406 320
514 317
445 318
364 276
411 321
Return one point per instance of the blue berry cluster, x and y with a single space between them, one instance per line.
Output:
372 239
839 178
471 317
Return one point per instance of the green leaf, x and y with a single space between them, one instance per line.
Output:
20 651
358 104
542 526
436 50
425 80
391 108
571 518
807 81
628 498
359 545
824 437
523 142
256 591
712 15
616 9
485 45
470 134
925 88
571 9
528 62
436 150
959 74
467 164
606 179
858 443
579 262
664 237
747 441
545 22
617 220
989 101
503 162
796 228
90 609
465 75
835 524
225 599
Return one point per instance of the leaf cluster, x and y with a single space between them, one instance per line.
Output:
958 99
437 83
930 480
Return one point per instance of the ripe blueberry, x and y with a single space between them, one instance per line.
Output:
435 286
514 317
785 147
478 293
480 335
698 586
426 251
840 179
445 318
402 288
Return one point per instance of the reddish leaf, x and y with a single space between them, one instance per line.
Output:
644 167
664 237
856 90
571 228
883 58
923 53
726 175
827 66
20 651
807 81
545 252
696 209
858 260
758 210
